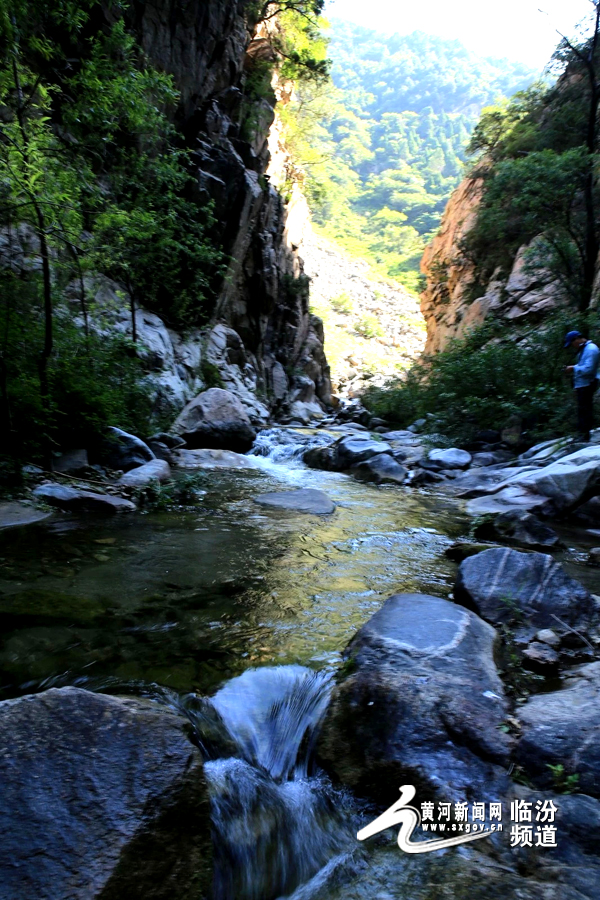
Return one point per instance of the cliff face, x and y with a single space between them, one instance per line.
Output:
446 303
262 339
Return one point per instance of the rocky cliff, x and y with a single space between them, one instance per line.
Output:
446 302
262 342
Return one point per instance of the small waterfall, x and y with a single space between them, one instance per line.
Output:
276 821
285 444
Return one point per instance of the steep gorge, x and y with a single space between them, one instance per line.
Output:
262 339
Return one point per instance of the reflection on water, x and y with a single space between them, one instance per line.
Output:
190 598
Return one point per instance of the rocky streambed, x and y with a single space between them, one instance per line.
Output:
213 699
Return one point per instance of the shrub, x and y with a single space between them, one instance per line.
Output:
342 303
484 380
369 327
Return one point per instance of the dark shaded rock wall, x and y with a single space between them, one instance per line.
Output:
209 46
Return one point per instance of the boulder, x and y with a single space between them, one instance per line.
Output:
421 703
101 797
161 451
306 501
562 728
70 462
518 528
568 482
382 469
155 472
213 459
354 449
14 514
509 499
541 658
452 458
503 584
172 441
320 458
74 500
126 451
215 419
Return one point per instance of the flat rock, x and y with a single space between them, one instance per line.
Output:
507 500
101 797
215 419
540 658
305 501
453 458
563 728
75 500
382 469
16 515
504 584
155 472
212 459
421 704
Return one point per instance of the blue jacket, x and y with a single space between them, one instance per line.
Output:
586 366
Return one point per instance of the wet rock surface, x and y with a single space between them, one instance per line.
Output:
420 702
14 514
504 584
212 459
382 469
75 500
519 528
306 501
155 472
101 797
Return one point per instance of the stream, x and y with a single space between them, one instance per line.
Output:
248 607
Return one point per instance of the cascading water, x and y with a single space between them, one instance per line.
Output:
287 444
276 821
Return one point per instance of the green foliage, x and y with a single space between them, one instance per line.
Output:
369 326
342 303
484 380
94 175
91 381
384 148
537 157
211 375
563 783
186 490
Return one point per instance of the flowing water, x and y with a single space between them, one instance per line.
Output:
238 616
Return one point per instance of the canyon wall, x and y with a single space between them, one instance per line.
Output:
446 302
262 340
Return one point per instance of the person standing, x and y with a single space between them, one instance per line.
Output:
584 379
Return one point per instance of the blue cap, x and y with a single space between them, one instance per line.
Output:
570 337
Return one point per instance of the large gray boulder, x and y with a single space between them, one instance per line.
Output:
354 449
568 481
382 469
504 585
126 451
421 703
74 500
155 472
306 500
215 419
102 797
562 728
453 458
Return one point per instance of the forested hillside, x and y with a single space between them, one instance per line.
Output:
385 148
